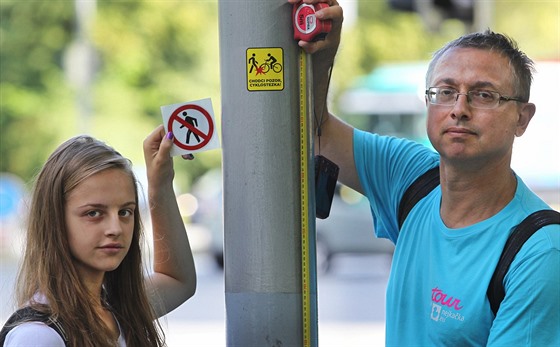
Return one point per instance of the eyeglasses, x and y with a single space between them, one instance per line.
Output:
476 98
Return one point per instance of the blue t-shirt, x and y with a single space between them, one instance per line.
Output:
436 295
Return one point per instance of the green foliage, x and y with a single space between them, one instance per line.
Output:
148 54
154 54
33 36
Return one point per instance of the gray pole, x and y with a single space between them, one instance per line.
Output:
260 147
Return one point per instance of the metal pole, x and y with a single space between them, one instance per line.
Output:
260 147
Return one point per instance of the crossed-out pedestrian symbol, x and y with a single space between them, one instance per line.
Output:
191 120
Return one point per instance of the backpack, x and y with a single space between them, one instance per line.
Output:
29 314
424 184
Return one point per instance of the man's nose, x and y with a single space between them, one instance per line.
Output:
461 109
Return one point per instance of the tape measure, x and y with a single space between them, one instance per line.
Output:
305 211
306 25
307 28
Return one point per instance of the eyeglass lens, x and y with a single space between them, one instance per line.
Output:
475 98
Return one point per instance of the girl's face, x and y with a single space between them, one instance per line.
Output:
100 222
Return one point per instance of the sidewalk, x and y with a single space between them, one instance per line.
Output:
331 334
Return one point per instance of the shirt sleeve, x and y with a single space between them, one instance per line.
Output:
529 315
386 167
35 334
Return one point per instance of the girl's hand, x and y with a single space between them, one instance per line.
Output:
159 163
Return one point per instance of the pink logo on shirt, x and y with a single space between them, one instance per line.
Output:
442 298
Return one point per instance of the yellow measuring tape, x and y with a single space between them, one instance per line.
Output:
308 284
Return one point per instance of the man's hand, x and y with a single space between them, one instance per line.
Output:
332 40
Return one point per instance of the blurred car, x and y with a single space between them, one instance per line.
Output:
348 229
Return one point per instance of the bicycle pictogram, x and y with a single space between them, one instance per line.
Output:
270 63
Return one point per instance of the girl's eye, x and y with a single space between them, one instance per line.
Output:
126 213
93 213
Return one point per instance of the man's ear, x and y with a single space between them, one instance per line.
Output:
526 113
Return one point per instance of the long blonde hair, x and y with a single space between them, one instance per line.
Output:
48 269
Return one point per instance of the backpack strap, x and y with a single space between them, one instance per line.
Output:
421 187
522 232
29 314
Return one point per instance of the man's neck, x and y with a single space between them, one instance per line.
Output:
469 198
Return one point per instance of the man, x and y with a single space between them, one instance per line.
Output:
477 98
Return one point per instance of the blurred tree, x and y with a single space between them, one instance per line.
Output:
149 54
152 54
33 36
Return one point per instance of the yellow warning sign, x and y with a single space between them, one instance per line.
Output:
265 69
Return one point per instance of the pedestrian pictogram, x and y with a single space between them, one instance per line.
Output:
192 125
192 128
265 69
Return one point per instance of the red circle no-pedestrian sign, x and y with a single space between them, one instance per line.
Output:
192 125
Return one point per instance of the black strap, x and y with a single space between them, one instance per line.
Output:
522 232
421 187
29 314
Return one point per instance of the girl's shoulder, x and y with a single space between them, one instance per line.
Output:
30 327
33 334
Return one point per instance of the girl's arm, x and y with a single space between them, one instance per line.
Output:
174 277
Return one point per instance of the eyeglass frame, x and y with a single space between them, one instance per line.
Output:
469 98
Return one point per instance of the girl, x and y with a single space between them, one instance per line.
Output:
82 281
